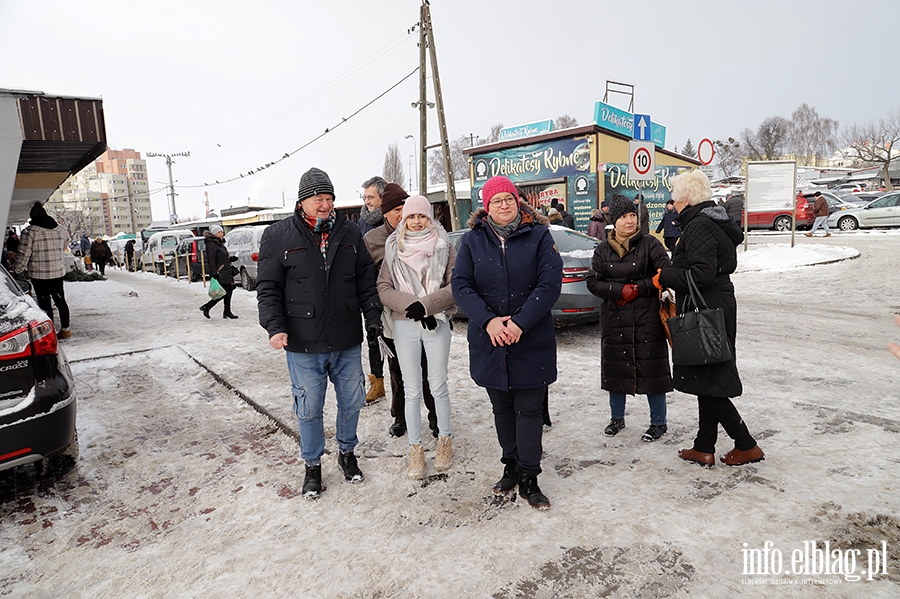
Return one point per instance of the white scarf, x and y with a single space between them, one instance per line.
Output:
418 267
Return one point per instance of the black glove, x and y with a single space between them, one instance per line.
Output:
232 259
373 331
415 311
429 322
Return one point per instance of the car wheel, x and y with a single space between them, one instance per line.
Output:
246 282
847 223
782 223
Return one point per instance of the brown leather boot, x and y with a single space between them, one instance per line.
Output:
376 389
737 457
692 455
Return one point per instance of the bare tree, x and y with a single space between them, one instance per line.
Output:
565 122
770 141
812 136
458 161
728 154
688 149
76 216
495 133
393 166
873 143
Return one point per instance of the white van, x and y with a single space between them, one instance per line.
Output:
243 242
160 249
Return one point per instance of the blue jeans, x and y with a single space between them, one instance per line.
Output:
657 403
309 378
410 339
821 221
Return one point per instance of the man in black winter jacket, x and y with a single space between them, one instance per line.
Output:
315 276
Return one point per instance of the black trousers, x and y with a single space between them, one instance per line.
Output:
398 396
229 289
49 292
720 410
518 417
670 242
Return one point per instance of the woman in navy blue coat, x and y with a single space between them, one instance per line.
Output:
507 277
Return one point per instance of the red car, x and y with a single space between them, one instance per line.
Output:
780 220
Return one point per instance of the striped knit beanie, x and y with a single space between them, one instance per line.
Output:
313 182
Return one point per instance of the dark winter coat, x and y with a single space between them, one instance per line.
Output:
129 247
217 259
669 225
634 352
597 226
316 301
522 278
101 253
568 219
708 249
734 206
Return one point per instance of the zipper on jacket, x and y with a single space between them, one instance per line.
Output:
289 252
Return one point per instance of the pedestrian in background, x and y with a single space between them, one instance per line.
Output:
315 279
821 212
670 226
708 250
507 277
568 219
555 218
41 251
634 352
100 253
597 225
219 263
414 283
129 255
84 245
734 207
371 215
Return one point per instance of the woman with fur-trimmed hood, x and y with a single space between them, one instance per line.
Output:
508 276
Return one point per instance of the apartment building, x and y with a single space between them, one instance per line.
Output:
107 197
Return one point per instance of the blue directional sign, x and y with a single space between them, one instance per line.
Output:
642 129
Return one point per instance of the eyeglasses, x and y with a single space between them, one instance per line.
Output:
499 202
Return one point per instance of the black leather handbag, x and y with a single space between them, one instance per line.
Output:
698 335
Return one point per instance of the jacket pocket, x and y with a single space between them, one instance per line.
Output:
300 310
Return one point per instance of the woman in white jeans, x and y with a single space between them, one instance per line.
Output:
414 283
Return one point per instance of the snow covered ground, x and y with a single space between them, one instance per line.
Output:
183 489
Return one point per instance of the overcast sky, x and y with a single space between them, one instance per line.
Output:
240 84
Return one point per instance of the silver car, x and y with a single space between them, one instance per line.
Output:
883 212
243 242
575 304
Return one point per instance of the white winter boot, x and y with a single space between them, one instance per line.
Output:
444 458
416 461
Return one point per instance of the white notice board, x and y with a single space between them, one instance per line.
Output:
771 185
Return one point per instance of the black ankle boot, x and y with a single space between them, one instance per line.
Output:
530 491
229 315
205 309
509 480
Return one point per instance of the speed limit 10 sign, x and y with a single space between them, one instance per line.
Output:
641 160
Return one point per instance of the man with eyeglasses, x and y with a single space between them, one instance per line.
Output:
315 276
370 215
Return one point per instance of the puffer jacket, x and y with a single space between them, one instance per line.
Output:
634 353
317 301
520 277
217 259
708 248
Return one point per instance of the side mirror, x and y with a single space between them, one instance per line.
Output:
24 285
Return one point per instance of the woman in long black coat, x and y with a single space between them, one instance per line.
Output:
219 268
708 250
634 355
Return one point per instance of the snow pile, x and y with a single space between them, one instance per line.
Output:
779 256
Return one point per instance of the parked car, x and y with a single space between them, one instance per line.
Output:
575 304
781 219
883 212
160 252
243 242
37 389
190 257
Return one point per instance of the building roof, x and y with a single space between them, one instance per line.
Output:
60 135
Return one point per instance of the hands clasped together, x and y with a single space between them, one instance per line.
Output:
503 331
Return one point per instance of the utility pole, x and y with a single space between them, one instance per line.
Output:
428 33
173 214
423 117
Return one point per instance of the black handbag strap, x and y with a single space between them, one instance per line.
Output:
695 296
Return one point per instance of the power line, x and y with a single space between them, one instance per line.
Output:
307 144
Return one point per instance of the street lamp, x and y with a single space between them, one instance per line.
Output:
415 145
